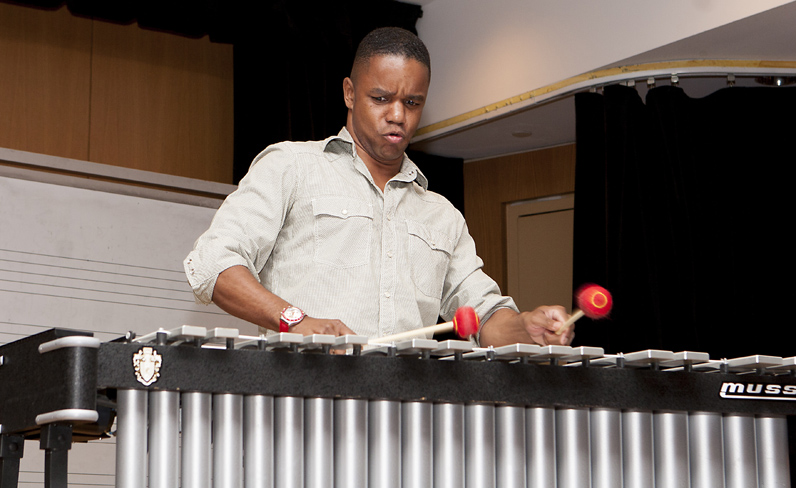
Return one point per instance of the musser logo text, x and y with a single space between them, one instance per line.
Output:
758 391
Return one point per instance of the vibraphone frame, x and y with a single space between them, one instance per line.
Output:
49 386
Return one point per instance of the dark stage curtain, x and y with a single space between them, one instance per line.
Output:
445 175
683 213
290 62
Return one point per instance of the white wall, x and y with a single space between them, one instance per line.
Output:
487 51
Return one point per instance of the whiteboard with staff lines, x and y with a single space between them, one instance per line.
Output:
97 261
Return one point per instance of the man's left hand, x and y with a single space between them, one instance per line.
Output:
541 324
536 327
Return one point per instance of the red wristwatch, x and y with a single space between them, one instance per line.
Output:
289 317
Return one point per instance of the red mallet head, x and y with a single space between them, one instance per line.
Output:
594 300
465 322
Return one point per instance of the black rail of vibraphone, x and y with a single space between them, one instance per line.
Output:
187 368
71 378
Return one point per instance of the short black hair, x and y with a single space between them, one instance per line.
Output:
395 41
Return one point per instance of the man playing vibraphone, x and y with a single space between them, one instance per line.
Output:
341 236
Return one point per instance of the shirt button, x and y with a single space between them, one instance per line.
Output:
344 212
387 294
389 254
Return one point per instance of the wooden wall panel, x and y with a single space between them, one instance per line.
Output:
490 184
162 103
44 81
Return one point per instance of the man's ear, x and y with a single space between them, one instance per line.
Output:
348 93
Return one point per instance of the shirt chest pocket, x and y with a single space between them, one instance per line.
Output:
429 254
343 228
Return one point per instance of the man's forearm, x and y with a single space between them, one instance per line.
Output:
239 293
502 328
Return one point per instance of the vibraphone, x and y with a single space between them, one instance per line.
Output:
196 407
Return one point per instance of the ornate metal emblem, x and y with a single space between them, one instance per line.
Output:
147 364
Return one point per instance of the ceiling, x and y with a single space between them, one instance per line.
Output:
766 36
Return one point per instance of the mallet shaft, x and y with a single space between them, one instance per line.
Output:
444 327
578 313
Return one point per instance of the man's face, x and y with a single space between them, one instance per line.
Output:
385 99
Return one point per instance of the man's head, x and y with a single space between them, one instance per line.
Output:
391 41
385 94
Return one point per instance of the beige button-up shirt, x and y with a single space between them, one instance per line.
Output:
311 225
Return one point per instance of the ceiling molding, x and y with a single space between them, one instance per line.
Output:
602 77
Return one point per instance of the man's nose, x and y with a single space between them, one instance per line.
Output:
397 113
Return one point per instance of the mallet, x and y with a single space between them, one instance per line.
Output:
465 323
593 301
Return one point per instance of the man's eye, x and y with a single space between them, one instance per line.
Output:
413 103
379 99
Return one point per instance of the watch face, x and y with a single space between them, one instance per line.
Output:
292 313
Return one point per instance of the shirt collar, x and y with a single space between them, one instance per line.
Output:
409 170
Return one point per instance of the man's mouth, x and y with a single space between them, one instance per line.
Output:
395 137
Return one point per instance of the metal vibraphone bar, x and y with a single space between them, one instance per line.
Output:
196 408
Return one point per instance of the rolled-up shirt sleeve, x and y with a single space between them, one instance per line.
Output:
467 284
247 224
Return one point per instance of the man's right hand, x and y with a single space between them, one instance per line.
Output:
311 325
